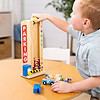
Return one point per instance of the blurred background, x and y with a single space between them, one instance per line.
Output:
12 12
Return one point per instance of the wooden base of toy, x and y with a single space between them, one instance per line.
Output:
34 75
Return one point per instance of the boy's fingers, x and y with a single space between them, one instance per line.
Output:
56 88
54 84
59 91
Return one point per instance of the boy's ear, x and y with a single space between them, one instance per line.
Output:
86 23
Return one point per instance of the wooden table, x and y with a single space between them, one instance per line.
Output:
14 87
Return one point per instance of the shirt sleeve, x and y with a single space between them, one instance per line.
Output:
73 32
94 61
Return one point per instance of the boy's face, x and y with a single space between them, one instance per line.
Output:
76 19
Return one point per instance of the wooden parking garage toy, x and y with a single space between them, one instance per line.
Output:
32 48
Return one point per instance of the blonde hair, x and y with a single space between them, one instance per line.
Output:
91 10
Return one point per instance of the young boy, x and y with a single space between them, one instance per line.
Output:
85 27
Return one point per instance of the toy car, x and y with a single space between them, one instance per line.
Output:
48 81
58 77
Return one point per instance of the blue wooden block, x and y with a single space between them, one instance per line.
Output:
36 88
25 69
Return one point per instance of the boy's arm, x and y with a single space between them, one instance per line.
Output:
86 84
61 24
62 87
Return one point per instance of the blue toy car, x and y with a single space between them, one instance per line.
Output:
48 81
37 88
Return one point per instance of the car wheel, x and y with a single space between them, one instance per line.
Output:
51 83
44 83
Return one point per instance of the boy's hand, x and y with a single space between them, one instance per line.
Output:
61 87
41 17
